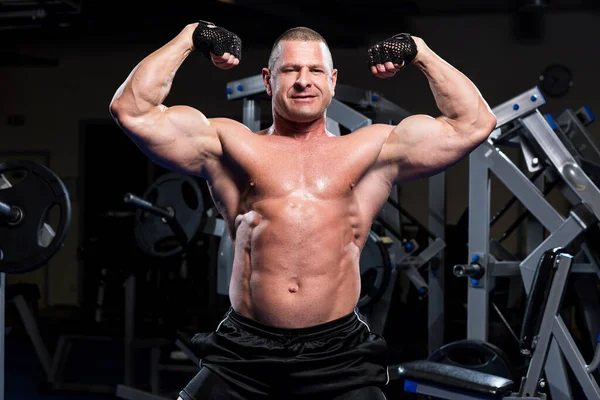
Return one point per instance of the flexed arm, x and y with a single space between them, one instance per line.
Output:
178 137
421 146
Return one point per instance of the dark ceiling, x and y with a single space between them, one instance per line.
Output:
344 23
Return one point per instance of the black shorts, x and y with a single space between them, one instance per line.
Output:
255 360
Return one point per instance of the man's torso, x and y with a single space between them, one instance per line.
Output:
299 211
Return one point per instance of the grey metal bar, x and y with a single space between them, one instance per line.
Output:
535 229
332 126
593 366
435 300
129 330
585 268
575 359
525 190
563 161
479 234
561 237
58 361
518 106
414 276
557 378
356 96
251 114
214 227
9 213
504 268
369 99
58 368
427 254
245 87
347 116
33 331
581 140
4 183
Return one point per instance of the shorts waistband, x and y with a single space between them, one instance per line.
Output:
308 333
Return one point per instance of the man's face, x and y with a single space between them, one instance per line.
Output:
301 81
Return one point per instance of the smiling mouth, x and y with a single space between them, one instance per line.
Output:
303 97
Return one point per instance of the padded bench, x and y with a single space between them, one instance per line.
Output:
453 378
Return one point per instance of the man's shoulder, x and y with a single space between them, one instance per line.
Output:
227 122
372 132
229 125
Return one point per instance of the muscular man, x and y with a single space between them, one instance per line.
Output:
298 203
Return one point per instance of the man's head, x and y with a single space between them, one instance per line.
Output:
300 75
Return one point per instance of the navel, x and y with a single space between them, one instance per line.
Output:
293 289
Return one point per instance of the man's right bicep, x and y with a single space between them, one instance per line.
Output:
178 138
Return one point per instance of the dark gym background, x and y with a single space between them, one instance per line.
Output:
62 61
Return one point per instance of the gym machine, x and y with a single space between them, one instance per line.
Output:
557 155
539 331
27 240
383 256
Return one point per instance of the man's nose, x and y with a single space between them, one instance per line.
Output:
303 80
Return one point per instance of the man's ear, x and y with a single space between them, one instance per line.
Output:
266 75
334 75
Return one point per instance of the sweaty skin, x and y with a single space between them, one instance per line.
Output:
300 224
298 201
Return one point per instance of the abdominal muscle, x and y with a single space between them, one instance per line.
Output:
296 262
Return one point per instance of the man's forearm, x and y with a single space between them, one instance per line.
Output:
150 81
456 96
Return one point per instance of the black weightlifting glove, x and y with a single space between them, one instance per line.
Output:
398 49
216 40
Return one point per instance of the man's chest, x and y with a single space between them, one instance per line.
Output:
318 170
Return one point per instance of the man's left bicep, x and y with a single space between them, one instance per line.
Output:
424 146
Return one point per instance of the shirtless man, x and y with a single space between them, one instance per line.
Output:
298 203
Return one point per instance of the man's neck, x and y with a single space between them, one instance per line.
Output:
298 130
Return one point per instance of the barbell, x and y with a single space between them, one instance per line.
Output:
169 215
27 241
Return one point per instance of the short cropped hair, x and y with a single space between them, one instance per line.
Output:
299 34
